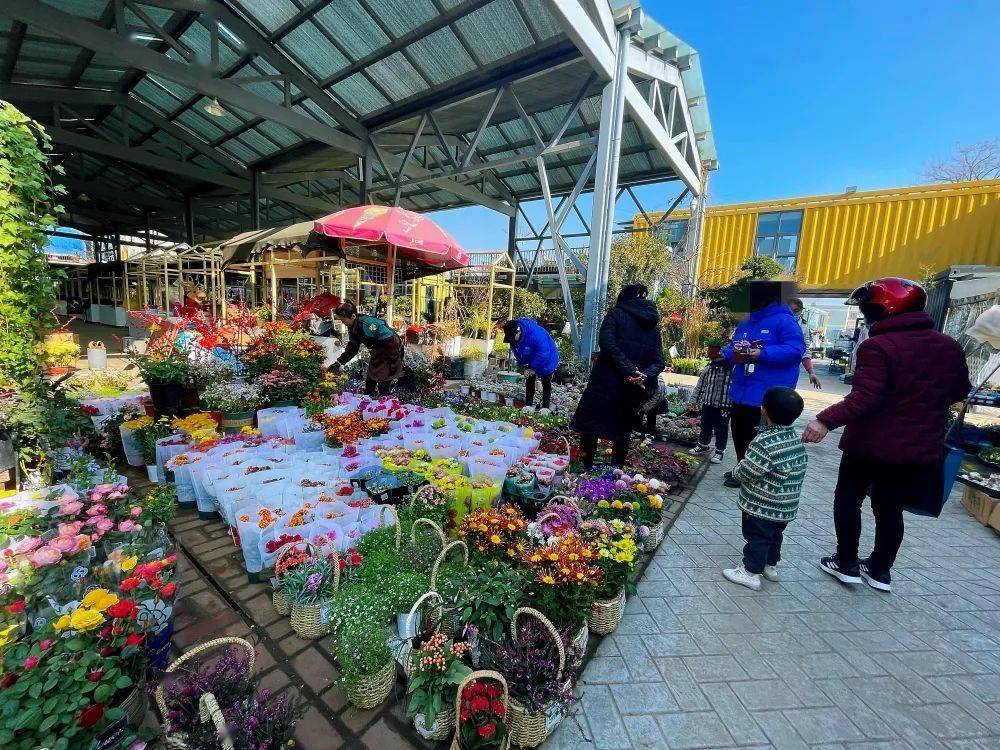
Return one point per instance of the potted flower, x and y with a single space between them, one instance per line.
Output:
235 401
367 669
616 551
167 377
283 387
60 354
482 712
310 586
714 346
147 435
437 672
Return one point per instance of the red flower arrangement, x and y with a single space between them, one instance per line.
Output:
481 716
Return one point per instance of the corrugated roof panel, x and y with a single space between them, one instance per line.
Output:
542 21
309 109
515 130
495 31
550 119
159 15
270 91
630 135
403 15
442 56
239 151
490 139
155 97
314 50
352 27
56 70
258 142
86 8
183 93
397 76
633 164
359 94
198 38
49 50
203 161
99 78
590 110
203 126
279 133
5 24
272 13
521 182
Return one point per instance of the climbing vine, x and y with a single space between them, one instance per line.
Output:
27 209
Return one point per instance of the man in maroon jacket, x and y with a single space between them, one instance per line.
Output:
906 377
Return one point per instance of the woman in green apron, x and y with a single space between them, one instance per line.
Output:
385 348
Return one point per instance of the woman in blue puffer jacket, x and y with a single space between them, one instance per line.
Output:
533 347
766 350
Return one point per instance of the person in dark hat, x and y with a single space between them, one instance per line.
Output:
533 347
624 375
385 366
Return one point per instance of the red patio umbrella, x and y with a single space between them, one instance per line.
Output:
413 235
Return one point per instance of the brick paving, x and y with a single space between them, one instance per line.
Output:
805 663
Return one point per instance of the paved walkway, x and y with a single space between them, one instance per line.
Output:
702 663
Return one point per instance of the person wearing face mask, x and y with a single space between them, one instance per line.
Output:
895 420
765 350
623 377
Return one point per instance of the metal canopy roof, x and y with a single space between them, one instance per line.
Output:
431 103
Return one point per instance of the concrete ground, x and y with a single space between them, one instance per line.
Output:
699 662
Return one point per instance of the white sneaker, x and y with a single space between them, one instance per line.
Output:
716 457
743 577
698 450
771 573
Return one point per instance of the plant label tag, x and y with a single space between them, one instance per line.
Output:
274 582
673 352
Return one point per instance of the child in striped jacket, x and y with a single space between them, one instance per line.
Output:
770 476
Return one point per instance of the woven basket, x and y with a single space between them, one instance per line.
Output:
477 676
448 616
438 531
372 690
531 728
444 724
134 706
606 614
579 642
403 648
309 620
282 605
395 517
655 536
208 707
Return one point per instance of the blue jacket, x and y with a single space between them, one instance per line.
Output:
781 352
535 349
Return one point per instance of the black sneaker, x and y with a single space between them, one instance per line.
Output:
729 480
876 579
843 573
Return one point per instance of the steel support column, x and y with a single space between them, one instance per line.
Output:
189 220
255 199
605 192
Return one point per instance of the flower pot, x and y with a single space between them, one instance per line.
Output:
442 727
531 728
190 402
372 690
606 614
456 368
279 404
234 421
157 648
57 370
579 641
309 620
465 390
217 416
167 398
153 473
408 624
655 536
281 604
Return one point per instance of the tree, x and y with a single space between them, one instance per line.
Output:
27 210
974 161
639 259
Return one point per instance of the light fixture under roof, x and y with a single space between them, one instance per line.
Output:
215 109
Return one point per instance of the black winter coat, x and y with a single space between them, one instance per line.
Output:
629 341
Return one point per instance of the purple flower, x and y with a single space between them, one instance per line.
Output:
314 580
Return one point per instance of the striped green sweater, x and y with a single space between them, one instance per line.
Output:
771 474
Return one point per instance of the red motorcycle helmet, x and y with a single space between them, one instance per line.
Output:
889 296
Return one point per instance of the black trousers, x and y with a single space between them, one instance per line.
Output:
714 420
588 450
529 390
377 387
744 421
892 487
763 545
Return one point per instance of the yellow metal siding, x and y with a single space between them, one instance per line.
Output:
849 239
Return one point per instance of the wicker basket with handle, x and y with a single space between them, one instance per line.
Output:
477 676
403 647
448 616
372 690
309 620
278 597
531 728
395 522
655 536
606 614
208 707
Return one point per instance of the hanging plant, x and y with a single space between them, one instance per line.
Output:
27 210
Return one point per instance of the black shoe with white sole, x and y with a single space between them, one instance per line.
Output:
729 480
876 579
843 573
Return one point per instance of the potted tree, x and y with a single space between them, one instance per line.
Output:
60 354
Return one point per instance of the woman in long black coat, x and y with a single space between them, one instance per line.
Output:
625 373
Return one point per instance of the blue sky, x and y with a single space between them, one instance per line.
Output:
810 97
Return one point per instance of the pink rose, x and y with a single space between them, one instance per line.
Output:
45 556
128 525
82 543
30 662
104 525
70 509
104 488
116 495
6 505
3 566
70 529
97 510
135 512
64 544
123 488
27 545
68 497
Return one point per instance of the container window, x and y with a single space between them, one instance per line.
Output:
778 237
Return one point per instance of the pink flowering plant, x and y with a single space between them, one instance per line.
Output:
311 582
283 385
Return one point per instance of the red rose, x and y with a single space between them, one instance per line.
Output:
96 675
108 651
134 639
45 645
9 679
125 609
487 730
31 662
16 607
106 632
154 567
480 704
168 590
129 583
171 559
90 715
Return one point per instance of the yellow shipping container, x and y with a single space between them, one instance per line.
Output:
838 242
